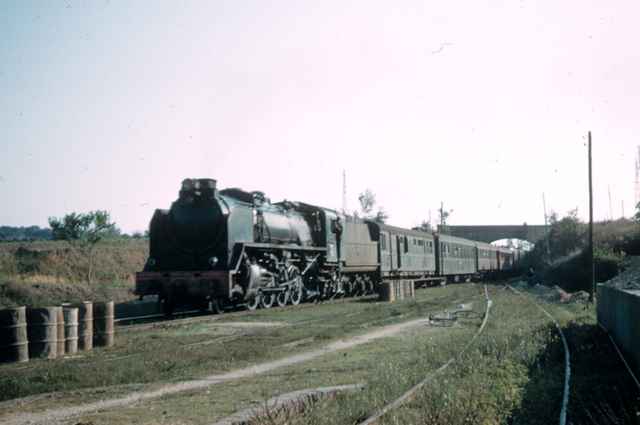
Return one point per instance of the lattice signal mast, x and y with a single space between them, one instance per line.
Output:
344 191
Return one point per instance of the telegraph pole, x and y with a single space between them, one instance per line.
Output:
544 206
637 187
592 293
610 204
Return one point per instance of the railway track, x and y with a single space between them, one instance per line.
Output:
139 322
567 357
411 393
621 357
194 316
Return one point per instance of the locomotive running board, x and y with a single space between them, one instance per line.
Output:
287 247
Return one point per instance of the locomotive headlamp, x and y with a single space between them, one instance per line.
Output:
213 261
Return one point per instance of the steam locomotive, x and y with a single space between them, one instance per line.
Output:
221 248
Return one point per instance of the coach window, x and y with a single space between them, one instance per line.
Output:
383 242
406 244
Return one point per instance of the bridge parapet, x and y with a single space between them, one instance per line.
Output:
532 233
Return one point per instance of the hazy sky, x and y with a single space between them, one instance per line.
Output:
484 105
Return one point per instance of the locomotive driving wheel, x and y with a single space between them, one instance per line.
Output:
267 300
254 301
295 290
283 298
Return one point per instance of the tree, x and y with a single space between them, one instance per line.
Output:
381 216
443 217
566 235
367 201
30 233
83 232
425 226
636 217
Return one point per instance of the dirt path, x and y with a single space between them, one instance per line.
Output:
58 415
291 401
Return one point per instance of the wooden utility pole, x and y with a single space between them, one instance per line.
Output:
592 292
610 204
544 207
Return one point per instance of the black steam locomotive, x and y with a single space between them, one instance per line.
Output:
216 249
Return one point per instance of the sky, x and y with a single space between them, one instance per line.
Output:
481 105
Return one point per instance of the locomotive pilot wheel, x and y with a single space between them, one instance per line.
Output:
217 306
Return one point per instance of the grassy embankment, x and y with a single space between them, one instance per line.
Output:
51 272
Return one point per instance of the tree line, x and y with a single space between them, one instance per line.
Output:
28 233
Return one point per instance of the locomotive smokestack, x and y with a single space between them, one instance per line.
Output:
207 184
207 188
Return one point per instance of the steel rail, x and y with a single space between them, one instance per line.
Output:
410 394
567 358
127 324
197 314
633 376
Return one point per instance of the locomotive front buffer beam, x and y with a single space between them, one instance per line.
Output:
192 284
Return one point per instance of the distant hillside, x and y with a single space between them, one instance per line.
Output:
30 233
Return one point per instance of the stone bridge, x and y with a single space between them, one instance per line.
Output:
527 232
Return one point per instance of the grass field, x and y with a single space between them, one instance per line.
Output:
511 374
166 352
